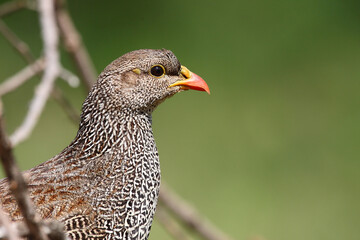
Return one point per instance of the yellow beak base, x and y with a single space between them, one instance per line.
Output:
192 81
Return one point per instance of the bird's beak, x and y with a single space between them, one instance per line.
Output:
192 81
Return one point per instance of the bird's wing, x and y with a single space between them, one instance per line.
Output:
55 191
7 201
80 227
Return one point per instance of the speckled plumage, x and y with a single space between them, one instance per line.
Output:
105 184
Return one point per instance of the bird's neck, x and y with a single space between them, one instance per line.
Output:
126 172
113 131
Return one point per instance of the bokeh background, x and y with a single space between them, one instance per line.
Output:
273 152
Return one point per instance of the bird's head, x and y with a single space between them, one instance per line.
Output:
141 79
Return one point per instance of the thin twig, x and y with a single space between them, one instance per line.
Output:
75 46
17 184
69 77
66 106
11 7
24 51
30 71
189 216
35 68
170 224
15 42
21 77
43 90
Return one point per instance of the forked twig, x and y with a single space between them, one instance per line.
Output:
34 68
17 184
74 45
22 76
34 228
51 72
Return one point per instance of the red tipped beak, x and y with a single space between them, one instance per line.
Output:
192 81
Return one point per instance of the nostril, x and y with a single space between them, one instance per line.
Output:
185 72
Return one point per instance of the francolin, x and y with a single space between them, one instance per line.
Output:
105 184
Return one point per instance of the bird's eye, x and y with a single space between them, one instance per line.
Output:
157 71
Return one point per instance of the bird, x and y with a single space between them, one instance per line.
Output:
105 183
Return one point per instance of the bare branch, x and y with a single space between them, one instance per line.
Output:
17 184
75 46
189 215
69 77
18 44
43 90
11 7
21 77
66 106
169 223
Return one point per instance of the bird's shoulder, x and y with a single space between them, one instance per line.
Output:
56 190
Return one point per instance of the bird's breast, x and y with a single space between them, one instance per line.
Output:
127 188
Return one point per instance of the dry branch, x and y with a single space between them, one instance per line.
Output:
19 45
66 106
52 69
189 216
11 7
17 184
170 224
75 46
21 77
69 77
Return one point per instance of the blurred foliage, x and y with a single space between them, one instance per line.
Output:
274 150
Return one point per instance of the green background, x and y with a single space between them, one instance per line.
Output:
274 150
